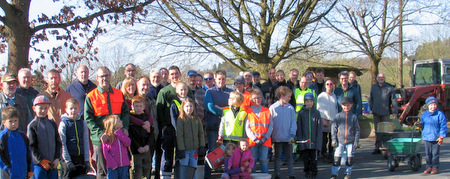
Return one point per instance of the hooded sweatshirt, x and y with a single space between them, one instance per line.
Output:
345 128
309 125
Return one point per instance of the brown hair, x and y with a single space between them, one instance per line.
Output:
256 92
229 145
73 101
243 140
282 91
137 99
183 116
9 112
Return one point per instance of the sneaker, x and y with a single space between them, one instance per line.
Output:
347 176
428 170
376 151
333 176
434 171
291 177
276 177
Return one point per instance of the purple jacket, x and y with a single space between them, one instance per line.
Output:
116 154
239 158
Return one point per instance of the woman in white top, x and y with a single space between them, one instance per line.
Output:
328 108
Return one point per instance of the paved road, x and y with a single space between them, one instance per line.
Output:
374 166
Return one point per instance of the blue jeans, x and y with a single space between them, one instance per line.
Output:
338 153
432 154
189 159
41 173
119 173
259 153
212 138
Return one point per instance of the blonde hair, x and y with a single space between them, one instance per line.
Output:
238 96
183 116
230 145
110 123
125 84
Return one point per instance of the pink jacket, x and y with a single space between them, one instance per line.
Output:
116 154
239 158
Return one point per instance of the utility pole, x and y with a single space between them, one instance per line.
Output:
400 44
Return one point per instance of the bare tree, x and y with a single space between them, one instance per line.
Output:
248 34
18 33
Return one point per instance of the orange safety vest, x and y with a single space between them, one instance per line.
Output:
247 102
100 104
259 126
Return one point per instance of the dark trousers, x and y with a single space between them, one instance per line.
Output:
168 146
432 154
279 147
159 153
327 149
78 161
309 157
211 136
100 160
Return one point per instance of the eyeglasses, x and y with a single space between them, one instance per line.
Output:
258 98
209 78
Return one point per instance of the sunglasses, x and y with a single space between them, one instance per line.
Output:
209 78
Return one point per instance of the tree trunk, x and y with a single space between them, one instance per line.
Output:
374 69
263 69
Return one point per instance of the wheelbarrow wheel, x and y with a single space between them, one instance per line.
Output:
384 152
420 159
391 163
414 163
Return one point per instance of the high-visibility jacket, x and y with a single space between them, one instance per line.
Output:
259 125
233 125
100 102
247 102
299 98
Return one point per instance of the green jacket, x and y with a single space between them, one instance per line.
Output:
163 101
190 135
95 123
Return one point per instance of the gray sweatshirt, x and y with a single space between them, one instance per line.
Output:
345 128
284 122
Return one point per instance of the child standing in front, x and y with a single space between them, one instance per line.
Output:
75 141
284 129
16 155
141 139
345 136
242 158
231 127
434 125
229 150
45 143
190 135
309 125
115 148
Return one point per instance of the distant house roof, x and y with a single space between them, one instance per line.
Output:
333 71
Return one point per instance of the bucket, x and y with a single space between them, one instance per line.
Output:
216 157
87 176
200 172
385 127
261 176
184 172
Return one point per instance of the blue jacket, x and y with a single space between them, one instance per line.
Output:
434 125
77 91
353 94
14 153
215 96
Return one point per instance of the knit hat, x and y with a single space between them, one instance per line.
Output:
239 79
41 99
430 100
346 100
309 96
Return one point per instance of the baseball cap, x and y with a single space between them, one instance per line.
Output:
309 96
346 100
239 79
256 73
191 72
41 99
8 77
430 100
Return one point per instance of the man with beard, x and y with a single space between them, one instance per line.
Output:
57 96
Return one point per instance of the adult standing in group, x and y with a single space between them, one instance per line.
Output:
256 79
265 87
166 140
345 90
209 80
199 94
25 89
57 96
299 94
129 71
80 88
216 98
8 97
200 81
328 107
100 103
164 76
354 84
293 83
239 83
155 83
249 86
319 85
381 98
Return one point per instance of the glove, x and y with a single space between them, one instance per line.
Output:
257 141
70 166
46 164
263 140
440 140
334 144
219 141
181 154
355 145
201 151
30 174
87 166
292 141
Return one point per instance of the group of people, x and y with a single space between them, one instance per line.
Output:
161 121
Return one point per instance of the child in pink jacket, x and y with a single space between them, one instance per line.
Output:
242 157
114 145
